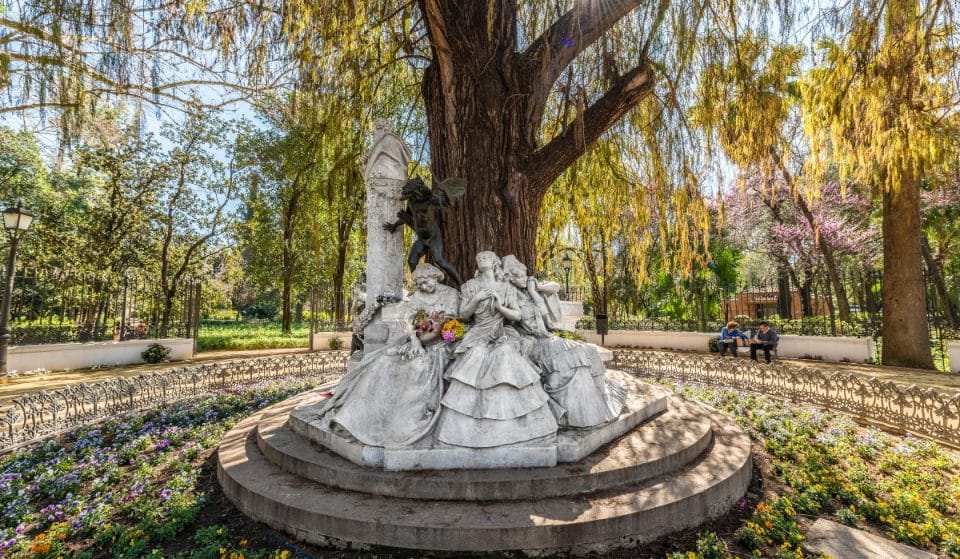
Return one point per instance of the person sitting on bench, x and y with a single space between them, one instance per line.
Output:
766 339
728 338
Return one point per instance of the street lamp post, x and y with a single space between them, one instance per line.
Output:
16 221
567 264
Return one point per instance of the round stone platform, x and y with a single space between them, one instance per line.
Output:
677 470
643 401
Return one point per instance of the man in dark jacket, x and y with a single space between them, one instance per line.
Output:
767 338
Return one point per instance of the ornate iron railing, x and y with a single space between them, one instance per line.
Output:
31 417
907 408
923 411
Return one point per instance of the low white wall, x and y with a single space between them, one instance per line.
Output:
685 341
321 340
953 354
829 348
57 357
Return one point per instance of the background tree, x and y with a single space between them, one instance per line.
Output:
878 107
280 176
191 213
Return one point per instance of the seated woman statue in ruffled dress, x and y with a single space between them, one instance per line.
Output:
494 397
391 397
573 373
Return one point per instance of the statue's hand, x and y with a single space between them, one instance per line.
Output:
413 348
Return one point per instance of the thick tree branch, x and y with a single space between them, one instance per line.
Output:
547 57
570 35
546 164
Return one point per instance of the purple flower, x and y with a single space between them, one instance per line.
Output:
165 494
162 444
566 41
449 336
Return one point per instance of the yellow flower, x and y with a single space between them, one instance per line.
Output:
40 545
691 555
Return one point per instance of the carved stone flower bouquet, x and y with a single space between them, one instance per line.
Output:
427 323
452 330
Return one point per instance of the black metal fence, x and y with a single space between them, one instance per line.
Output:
60 306
860 327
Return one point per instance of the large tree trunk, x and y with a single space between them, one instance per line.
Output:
477 133
906 339
485 103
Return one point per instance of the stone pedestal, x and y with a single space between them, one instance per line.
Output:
379 332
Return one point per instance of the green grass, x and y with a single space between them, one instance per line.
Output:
244 335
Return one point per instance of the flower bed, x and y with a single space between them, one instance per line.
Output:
129 488
822 464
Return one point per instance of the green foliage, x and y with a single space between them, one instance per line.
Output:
22 170
261 310
124 205
905 487
244 335
335 343
156 353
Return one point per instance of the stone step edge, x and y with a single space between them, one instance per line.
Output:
657 445
322 515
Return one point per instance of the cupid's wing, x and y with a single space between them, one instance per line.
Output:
450 189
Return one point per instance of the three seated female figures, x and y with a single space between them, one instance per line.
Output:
501 379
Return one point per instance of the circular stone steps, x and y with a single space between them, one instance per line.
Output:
661 445
684 474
